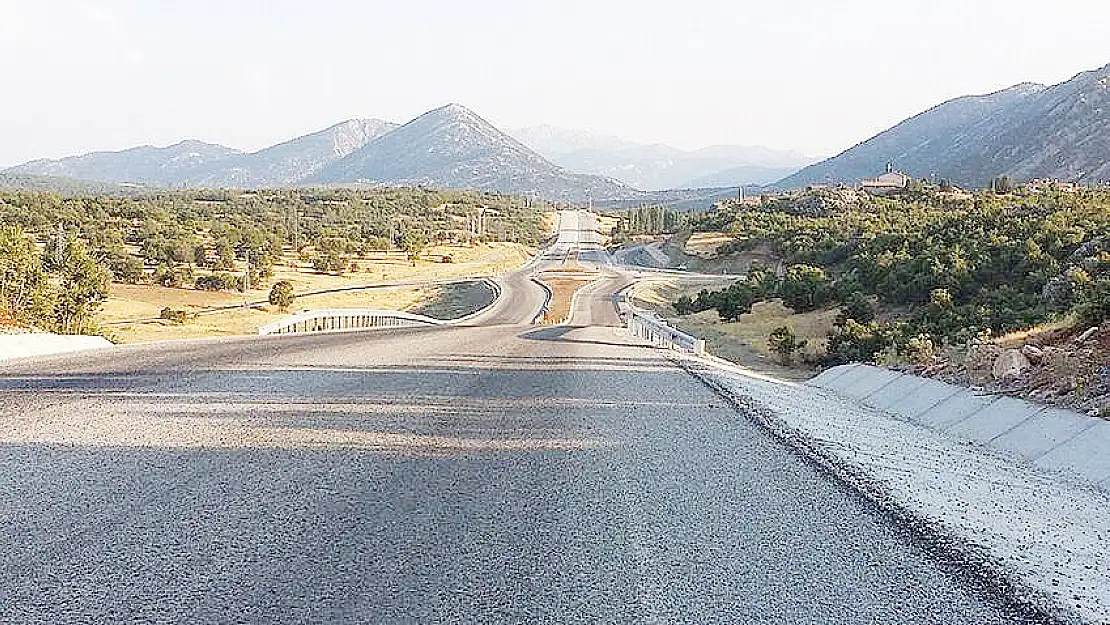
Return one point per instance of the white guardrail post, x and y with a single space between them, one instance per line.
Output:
652 328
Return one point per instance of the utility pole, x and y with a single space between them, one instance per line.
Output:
247 283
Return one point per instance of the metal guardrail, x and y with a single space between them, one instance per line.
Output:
343 319
548 296
652 328
339 320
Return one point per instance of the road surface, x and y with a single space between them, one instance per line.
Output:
498 473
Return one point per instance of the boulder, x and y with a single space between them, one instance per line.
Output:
1010 364
1088 334
1033 353
980 362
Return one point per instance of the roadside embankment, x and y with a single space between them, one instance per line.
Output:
1042 535
37 344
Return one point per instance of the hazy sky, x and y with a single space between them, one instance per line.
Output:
812 75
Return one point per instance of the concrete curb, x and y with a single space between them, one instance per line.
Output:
17 346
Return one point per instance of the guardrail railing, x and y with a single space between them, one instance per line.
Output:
548 295
652 328
338 320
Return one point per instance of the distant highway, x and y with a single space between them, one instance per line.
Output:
494 473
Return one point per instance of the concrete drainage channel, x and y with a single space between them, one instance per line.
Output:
1060 441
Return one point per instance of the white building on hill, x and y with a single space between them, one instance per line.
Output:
890 182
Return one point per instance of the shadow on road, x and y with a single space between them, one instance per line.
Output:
559 333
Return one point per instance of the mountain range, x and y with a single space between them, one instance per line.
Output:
1028 131
448 147
197 164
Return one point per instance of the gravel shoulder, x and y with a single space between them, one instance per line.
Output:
1046 539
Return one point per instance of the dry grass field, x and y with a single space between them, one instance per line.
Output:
139 304
238 321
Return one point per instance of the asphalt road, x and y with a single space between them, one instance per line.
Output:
499 473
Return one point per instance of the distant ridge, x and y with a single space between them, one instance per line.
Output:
62 185
289 163
1027 131
198 164
165 166
660 167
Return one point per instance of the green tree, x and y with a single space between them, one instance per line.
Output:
24 292
225 255
412 244
1002 185
281 295
858 307
85 285
126 268
1094 308
804 288
329 262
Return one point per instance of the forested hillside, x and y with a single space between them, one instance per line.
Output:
928 268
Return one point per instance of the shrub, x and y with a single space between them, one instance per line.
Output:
805 288
167 277
213 282
126 268
857 342
173 315
858 307
1094 307
784 343
329 262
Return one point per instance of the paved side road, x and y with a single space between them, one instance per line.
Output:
499 473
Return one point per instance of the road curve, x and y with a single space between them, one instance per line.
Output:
493 473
